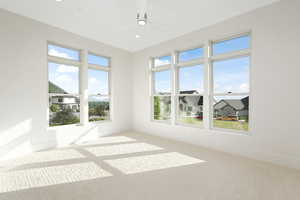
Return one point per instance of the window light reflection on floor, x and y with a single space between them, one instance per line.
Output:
132 165
47 156
122 149
40 177
108 140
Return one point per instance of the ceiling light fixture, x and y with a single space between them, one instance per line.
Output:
137 36
142 20
58 0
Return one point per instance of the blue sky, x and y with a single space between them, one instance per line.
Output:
67 77
229 75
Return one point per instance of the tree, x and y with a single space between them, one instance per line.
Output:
100 110
54 108
156 108
65 117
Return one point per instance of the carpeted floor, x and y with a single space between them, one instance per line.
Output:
135 166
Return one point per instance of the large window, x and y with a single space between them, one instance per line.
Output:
99 88
69 75
231 83
63 86
162 88
206 86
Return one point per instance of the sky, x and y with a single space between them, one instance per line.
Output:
67 77
229 75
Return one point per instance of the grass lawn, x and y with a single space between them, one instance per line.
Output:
236 125
190 120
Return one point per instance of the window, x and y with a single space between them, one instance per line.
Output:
163 60
63 88
65 53
190 88
68 103
235 44
161 92
99 88
189 55
207 87
98 60
231 85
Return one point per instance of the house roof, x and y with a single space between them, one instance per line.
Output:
189 92
237 104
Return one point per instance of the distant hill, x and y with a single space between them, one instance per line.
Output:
55 89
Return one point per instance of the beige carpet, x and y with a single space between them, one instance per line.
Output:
142 167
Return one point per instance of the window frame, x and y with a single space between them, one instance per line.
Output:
223 57
179 65
152 70
208 93
83 67
103 69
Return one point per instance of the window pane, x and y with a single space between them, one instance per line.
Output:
63 79
231 112
98 60
190 55
63 89
98 108
64 109
232 76
164 60
162 81
98 82
191 109
162 108
191 79
235 44
62 52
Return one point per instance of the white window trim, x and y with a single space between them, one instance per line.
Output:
109 95
208 93
83 66
152 70
177 66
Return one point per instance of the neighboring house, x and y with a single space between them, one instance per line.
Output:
66 101
191 106
232 109
62 98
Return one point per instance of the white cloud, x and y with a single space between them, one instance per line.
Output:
65 68
161 62
63 79
97 86
53 52
244 87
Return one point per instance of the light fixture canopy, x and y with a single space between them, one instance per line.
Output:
142 20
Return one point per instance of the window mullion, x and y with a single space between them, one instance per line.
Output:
84 88
174 78
207 86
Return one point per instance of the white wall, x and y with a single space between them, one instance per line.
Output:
24 92
275 85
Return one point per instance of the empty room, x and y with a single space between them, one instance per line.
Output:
149 100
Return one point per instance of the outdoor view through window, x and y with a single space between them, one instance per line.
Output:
228 101
64 84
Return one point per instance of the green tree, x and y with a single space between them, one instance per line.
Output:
65 117
100 110
54 108
156 108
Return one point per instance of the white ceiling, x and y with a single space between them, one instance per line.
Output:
113 21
